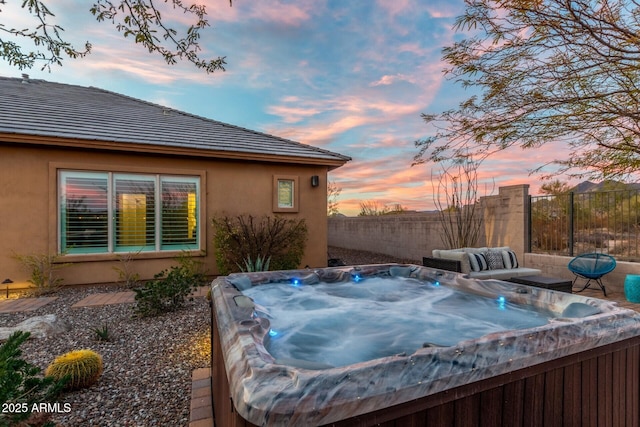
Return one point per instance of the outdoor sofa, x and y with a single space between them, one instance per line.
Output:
480 263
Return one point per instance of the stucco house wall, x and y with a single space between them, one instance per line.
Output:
230 183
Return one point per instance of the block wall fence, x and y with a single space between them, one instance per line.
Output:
412 236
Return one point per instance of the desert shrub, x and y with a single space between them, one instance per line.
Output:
170 288
192 268
259 264
81 367
42 269
247 237
21 386
126 273
102 333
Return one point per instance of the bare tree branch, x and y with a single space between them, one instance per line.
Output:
457 200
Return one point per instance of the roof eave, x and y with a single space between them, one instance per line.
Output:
170 150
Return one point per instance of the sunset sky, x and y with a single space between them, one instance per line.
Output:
351 77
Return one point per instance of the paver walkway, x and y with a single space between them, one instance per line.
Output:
611 296
106 298
201 399
24 304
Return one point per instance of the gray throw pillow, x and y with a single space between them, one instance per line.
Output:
494 259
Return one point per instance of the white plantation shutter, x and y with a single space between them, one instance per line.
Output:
84 212
135 212
179 212
102 212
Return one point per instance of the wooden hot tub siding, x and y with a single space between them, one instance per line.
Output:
598 387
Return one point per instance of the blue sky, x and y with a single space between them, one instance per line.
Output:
351 77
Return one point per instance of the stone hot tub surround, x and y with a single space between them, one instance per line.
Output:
264 392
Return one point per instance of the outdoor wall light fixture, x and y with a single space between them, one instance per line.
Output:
315 180
7 282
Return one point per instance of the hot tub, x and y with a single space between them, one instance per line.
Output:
583 364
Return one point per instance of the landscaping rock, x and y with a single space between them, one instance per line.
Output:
39 326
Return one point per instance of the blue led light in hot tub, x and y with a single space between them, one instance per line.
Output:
296 282
273 333
502 301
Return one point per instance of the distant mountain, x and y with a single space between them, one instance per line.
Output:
588 186
584 187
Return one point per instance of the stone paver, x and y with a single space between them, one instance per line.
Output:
24 304
611 296
201 402
106 298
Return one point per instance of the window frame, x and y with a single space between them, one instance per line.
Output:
277 193
159 248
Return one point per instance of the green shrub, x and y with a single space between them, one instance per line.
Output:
170 289
192 268
81 367
20 384
246 237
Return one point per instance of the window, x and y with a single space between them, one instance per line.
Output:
105 212
285 193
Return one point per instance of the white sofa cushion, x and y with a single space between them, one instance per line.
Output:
505 273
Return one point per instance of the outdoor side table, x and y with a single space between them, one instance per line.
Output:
553 283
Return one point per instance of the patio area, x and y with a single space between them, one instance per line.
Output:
200 410
611 296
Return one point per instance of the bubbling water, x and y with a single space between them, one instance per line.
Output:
339 324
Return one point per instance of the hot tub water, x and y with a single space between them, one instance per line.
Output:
339 324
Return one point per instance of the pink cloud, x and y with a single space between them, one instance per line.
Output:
330 118
388 80
391 180
282 14
292 114
445 9
395 7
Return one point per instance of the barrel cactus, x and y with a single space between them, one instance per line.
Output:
83 367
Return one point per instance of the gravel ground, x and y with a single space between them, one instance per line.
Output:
147 364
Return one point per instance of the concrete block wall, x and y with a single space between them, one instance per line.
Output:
506 218
409 236
412 236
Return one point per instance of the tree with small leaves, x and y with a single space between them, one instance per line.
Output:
555 188
545 71
140 20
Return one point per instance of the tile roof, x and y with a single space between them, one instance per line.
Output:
56 110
